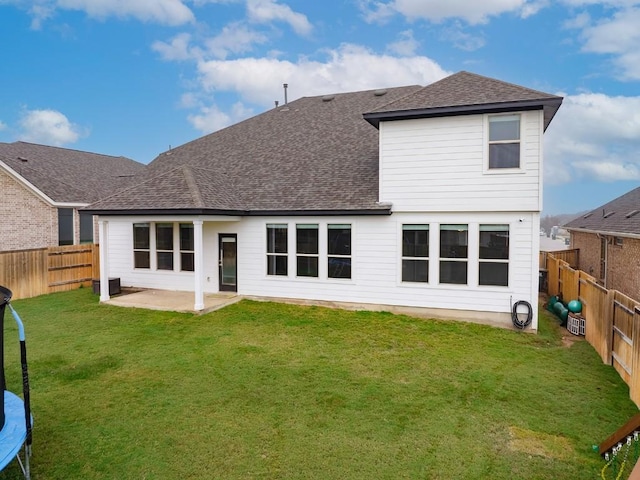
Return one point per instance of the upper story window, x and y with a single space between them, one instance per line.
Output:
307 250
277 249
504 141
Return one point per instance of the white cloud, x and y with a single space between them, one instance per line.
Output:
3 126
405 46
259 80
49 127
618 36
266 11
462 40
166 12
594 136
234 38
211 118
438 10
177 49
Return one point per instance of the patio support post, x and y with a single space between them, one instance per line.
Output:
198 265
104 259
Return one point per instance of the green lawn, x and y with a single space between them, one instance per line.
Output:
264 390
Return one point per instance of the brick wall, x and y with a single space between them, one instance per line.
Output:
26 221
623 261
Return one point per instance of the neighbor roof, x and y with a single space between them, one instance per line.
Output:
314 155
619 216
465 93
69 176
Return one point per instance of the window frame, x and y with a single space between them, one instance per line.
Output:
165 252
310 255
86 224
445 260
505 257
146 249
273 256
488 143
185 251
415 258
66 221
345 259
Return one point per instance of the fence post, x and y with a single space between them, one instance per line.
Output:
634 387
607 325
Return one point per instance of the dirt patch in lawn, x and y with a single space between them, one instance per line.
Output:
539 444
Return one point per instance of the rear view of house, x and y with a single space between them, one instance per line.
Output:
44 187
421 197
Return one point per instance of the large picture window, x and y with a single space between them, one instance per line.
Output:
164 245
415 253
187 262
307 250
494 255
277 249
339 250
141 246
504 141
454 243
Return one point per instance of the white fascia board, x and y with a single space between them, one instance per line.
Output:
604 233
19 178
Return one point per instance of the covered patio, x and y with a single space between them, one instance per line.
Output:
173 301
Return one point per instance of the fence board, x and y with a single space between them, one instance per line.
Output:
28 273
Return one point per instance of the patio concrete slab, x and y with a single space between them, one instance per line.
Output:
173 301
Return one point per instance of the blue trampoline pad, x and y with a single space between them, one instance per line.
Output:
14 432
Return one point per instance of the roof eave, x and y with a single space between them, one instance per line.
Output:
607 233
550 106
244 213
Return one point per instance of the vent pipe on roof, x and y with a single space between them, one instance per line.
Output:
285 85
276 102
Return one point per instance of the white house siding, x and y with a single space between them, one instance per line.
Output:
376 264
438 164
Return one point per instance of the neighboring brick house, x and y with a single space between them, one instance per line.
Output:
609 241
44 187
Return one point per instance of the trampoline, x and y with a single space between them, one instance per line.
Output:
15 416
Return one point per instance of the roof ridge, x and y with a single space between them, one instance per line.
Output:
484 77
69 149
194 190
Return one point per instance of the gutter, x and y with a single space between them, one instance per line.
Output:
602 232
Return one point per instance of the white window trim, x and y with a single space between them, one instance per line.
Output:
508 261
485 147
427 258
309 255
267 254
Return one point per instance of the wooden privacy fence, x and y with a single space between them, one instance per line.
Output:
28 273
612 320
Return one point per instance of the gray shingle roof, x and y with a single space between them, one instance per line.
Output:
66 175
316 154
464 93
619 216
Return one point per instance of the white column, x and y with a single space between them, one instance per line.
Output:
198 261
103 226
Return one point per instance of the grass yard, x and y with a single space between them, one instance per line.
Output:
264 390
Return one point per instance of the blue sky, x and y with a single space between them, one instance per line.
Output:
134 77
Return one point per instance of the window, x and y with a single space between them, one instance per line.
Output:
186 247
86 227
504 141
494 255
65 226
415 253
307 250
277 249
141 246
339 250
453 253
164 245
